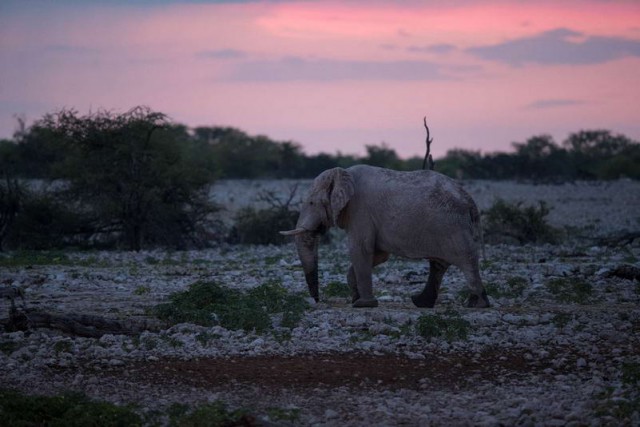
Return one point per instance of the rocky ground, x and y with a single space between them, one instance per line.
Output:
559 346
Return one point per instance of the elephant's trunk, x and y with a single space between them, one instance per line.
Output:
307 246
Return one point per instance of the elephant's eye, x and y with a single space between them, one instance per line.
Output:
311 203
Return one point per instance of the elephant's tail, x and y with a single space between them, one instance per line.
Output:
476 224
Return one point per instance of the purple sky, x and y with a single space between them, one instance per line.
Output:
333 75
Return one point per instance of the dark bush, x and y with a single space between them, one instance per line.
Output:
263 226
505 222
47 222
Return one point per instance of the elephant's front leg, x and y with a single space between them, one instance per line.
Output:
378 258
429 295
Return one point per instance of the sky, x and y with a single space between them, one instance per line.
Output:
333 75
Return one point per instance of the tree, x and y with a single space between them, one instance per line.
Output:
383 156
590 150
138 175
11 192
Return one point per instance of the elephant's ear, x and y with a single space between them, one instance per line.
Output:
341 192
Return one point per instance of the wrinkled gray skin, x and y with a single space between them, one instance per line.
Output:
420 214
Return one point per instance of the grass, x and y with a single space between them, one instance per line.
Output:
70 409
77 410
209 304
25 258
337 290
570 290
448 325
513 287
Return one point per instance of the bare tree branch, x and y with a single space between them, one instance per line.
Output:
427 158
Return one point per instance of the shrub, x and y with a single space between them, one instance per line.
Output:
449 325
45 221
263 226
505 221
208 304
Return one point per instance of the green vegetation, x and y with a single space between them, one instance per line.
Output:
513 287
209 414
448 325
263 226
513 221
156 188
77 410
208 304
337 290
71 409
623 406
45 257
570 290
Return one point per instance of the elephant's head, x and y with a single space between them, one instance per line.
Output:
329 195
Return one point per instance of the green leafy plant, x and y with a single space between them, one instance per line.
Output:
208 304
448 325
570 289
505 221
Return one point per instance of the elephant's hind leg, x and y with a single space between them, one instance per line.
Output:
478 297
429 295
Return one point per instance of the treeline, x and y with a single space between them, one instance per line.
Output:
137 180
38 151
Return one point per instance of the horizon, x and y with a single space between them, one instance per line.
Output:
333 76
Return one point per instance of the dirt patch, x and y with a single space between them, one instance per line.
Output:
332 370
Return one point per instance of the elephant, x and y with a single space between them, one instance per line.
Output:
419 214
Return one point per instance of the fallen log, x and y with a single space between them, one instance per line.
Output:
83 325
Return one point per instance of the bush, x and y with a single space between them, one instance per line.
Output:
209 304
506 222
263 226
45 221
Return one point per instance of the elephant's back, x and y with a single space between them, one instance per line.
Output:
422 190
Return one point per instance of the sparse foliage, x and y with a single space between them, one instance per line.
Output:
512 221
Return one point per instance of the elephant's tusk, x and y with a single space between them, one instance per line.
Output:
293 232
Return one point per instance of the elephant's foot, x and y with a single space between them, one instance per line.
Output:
424 301
362 302
481 301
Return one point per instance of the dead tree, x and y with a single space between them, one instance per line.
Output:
428 160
